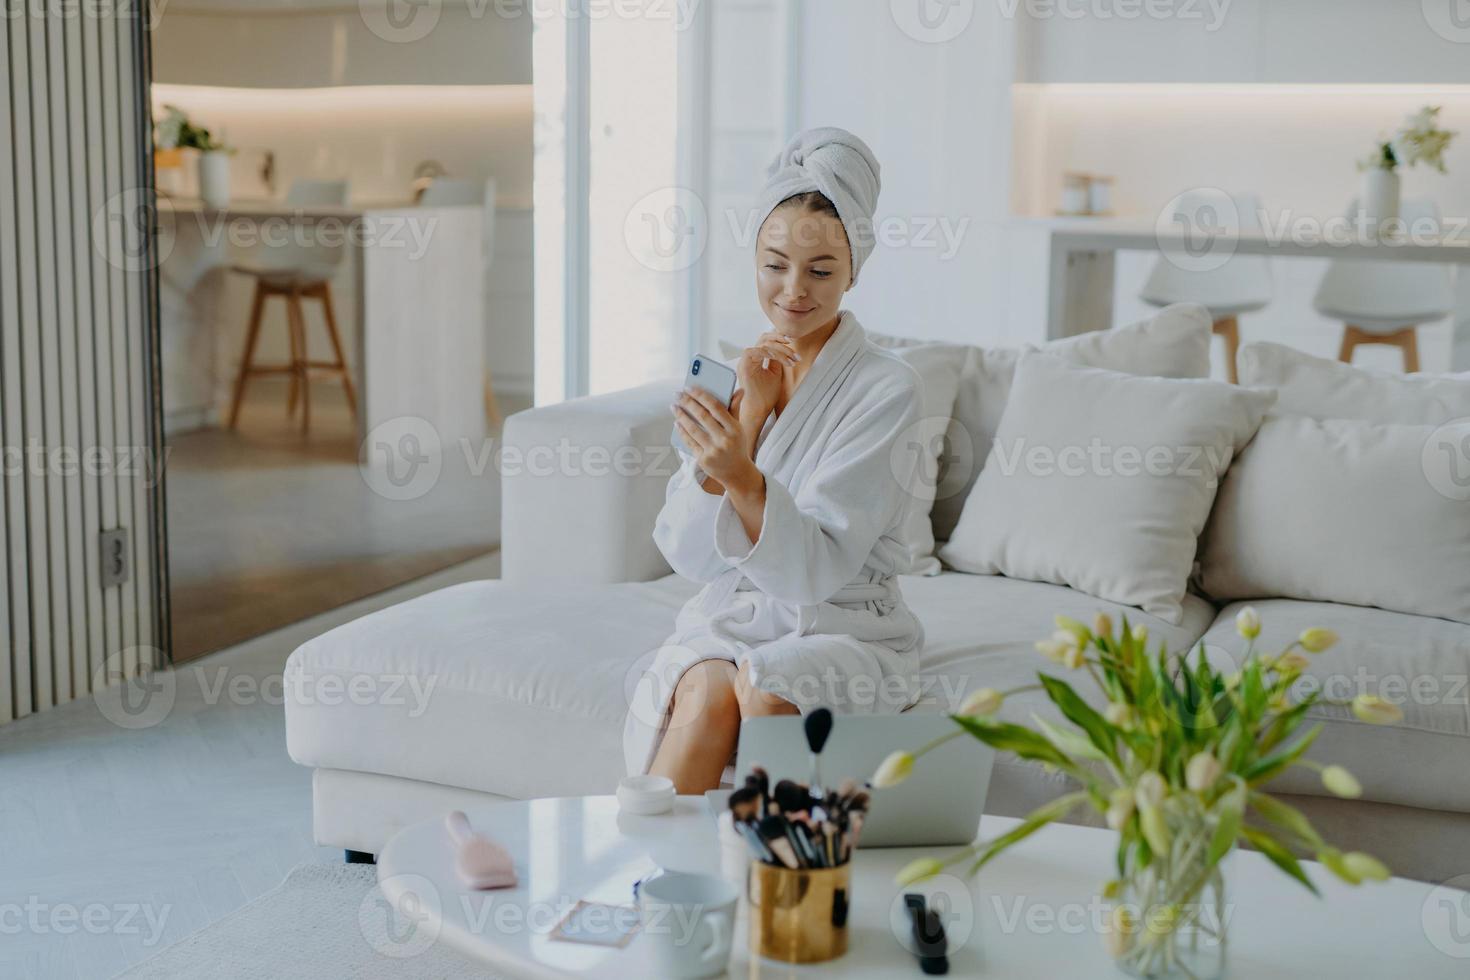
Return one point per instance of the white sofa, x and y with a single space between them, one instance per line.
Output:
523 682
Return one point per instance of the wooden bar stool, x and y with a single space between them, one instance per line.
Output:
295 271
300 367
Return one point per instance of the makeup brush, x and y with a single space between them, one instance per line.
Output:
792 797
762 786
773 831
856 829
801 832
818 725
753 840
745 804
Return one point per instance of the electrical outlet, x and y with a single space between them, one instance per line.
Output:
117 557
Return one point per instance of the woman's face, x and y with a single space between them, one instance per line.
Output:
803 265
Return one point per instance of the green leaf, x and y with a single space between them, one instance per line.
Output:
1262 770
1081 714
1204 674
1070 742
1231 809
1288 818
1277 853
1285 723
1252 688
1144 694
1035 820
1012 738
1191 689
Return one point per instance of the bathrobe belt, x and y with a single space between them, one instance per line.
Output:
719 592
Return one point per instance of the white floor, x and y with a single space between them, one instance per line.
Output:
115 843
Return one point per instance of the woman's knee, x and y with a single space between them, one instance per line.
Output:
705 694
755 703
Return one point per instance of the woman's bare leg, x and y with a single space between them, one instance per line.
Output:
704 725
755 703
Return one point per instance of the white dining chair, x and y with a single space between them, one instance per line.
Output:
1385 302
301 268
1243 284
454 191
457 192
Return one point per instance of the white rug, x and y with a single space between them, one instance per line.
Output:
324 921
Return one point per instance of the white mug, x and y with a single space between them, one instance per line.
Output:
688 923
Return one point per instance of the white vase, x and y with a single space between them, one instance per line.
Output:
214 178
1380 199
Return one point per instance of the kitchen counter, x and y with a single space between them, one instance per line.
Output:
408 292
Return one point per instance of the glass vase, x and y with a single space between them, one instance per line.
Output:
1175 908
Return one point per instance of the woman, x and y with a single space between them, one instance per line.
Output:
789 507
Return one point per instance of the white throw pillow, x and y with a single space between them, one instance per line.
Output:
1174 343
1103 481
1325 389
938 366
939 373
1342 510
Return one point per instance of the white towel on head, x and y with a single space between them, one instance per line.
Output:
839 165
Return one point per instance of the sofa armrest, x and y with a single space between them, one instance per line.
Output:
582 483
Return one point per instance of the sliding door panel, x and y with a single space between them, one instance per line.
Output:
78 406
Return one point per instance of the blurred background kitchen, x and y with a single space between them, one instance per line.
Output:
375 197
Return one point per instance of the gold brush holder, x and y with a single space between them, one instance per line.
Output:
799 915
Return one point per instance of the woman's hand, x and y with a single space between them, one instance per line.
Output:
759 374
722 446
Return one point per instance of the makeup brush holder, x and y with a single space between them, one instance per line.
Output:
799 915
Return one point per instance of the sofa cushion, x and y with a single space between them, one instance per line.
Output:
981 631
1420 664
1325 389
1174 343
1103 481
519 687
939 371
519 690
1343 511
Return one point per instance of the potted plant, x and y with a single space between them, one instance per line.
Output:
1419 140
1176 763
175 131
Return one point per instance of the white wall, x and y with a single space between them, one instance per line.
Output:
937 117
752 102
1300 41
960 141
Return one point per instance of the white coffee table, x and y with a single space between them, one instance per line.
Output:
1030 914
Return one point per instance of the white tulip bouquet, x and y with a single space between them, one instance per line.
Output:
1176 762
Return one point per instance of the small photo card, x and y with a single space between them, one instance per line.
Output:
598 924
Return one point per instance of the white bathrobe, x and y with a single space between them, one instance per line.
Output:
813 606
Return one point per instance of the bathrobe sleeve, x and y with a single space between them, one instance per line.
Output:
685 529
812 545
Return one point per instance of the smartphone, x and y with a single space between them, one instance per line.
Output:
714 377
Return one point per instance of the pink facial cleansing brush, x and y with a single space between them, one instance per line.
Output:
481 863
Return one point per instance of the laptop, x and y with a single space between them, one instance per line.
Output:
940 803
